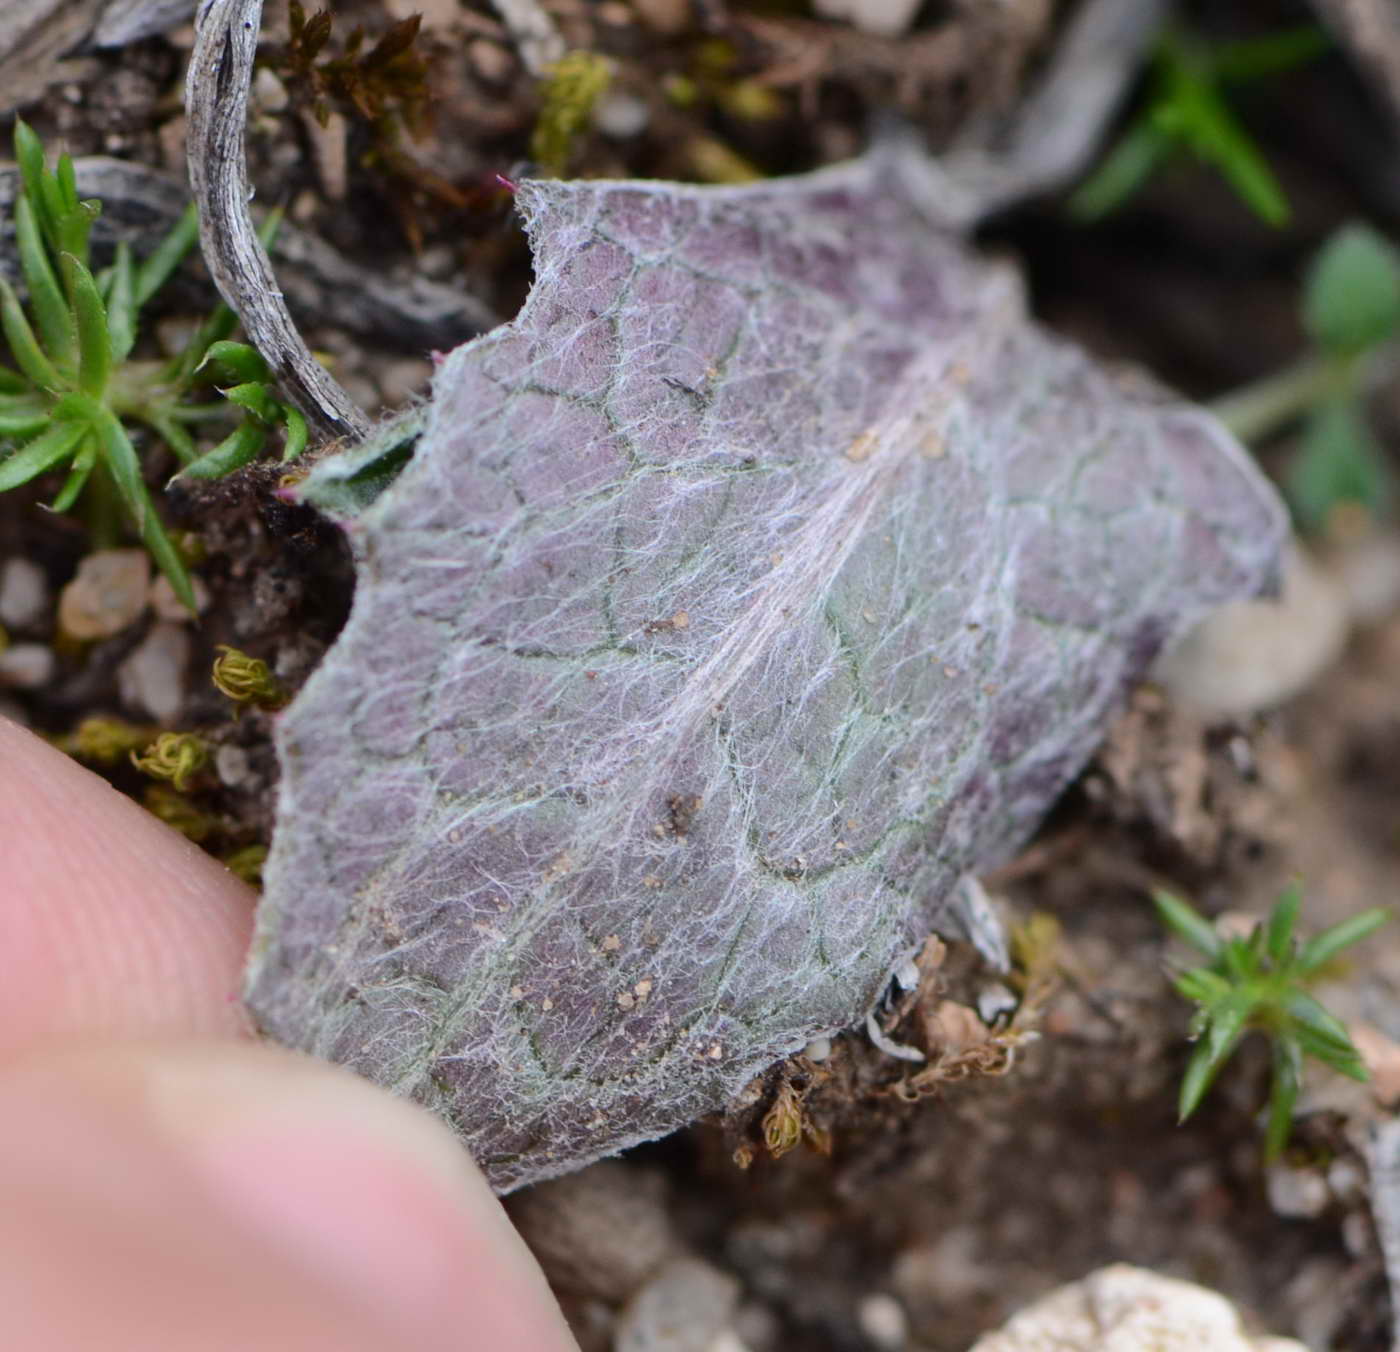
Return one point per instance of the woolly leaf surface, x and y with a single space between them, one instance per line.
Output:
767 574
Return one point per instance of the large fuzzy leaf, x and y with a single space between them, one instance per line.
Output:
766 575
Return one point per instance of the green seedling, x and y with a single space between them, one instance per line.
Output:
75 392
1260 984
1351 309
1187 112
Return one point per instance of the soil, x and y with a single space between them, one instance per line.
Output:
969 1189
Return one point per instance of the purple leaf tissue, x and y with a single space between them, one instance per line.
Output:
767 575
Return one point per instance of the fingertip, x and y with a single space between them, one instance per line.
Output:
110 922
270 1201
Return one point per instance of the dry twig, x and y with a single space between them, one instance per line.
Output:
216 101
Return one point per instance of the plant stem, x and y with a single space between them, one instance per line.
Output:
1256 411
102 508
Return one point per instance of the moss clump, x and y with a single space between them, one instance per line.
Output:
572 88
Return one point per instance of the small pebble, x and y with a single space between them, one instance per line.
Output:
1368 570
665 16
1296 1193
883 1321
684 1308
881 18
758 1327
107 594
1130 1309
1251 655
818 1049
24 593
400 380
26 666
993 1001
490 60
269 93
600 1232
152 677
232 765
621 116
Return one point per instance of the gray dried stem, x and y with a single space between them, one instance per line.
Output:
216 101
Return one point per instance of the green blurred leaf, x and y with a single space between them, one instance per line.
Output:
240 360
1187 923
1202 985
239 448
41 454
46 297
83 463
1228 1018
120 302
1283 1095
1139 152
1351 297
1308 1011
1201 1071
1283 919
1270 54
23 423
297 434
94 340
1203 121
24 347
1322 948
157 268
255 398
120 461
1338 461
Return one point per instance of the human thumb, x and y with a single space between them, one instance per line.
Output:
204 1197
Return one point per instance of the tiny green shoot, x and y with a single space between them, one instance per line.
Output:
1259 984
74 393
1187 111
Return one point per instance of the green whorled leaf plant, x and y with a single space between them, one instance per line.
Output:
74 389
1259 984
1350 311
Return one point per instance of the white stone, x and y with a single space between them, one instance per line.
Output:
1369 573
684 1308
152 677
1129 1309
621 116
1251 655
232 765
883 18
269 93
883 1321
26 666
107 594
24 593
1296 1192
